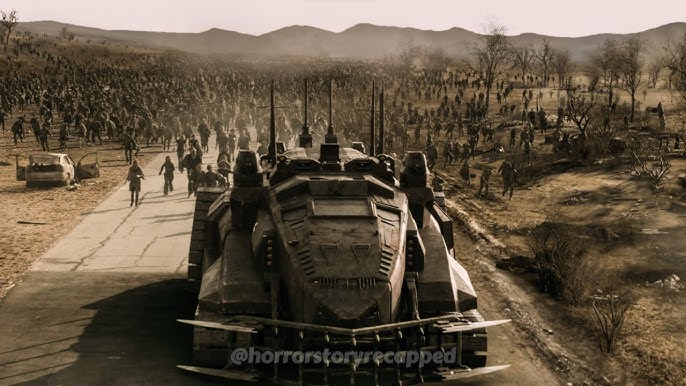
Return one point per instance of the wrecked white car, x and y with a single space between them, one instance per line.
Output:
55 169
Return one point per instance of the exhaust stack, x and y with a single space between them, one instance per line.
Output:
272 126
330 135
372 139
381 122
305 139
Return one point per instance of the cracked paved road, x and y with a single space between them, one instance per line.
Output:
100 307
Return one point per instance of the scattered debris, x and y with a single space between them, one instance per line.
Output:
653 232
516 264
672 282
576 200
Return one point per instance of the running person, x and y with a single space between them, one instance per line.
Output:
168 167
135 175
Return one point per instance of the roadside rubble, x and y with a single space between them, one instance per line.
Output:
671 282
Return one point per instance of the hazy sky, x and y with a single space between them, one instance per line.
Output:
549 17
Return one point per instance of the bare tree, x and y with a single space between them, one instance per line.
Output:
544 55
8 22
579 107
408 53
628 64
65 33
562 63
593 81
654 70
523 56
602 59
675 59
493 56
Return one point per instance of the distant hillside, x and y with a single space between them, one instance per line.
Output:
366 41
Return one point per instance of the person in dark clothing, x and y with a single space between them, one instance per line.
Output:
509 174
466 174
211 179
3 116
243 140
43 136
485 181
432 156
190 162
180 148
263 149
232 143
223 153
205 132
168 167
193 143
448 154
135 175
96 131
195 179
36 126
63 136
18 130
224 167
130 145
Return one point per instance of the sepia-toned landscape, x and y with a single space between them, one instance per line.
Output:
585 254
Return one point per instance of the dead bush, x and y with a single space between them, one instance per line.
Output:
562 262
608 316
648 163
531 168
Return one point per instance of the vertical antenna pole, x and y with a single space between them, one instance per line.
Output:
272 126
381 121
372 139
305 139
330 135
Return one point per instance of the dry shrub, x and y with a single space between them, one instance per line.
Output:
648 163
609 313
532 168
562 262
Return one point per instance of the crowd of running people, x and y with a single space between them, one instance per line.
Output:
179 101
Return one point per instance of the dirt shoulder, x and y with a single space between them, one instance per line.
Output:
640 241
57 209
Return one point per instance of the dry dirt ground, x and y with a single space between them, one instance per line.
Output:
650 351
57 209
643 242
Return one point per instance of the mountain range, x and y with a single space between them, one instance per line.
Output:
362 41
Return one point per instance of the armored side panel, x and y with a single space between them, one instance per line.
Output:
445 223
203 200
444 286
